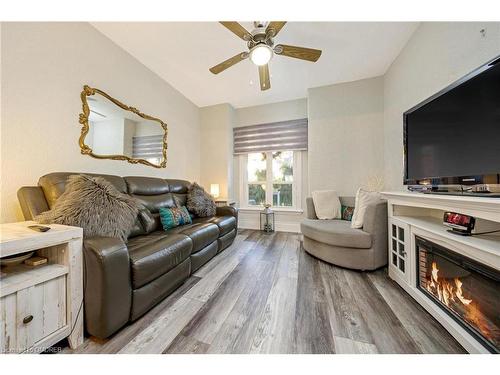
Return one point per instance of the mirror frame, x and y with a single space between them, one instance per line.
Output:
84 121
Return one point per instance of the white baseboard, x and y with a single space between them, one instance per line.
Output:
280 227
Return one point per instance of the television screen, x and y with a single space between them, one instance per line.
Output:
457 132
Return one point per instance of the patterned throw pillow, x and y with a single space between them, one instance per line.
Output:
199 202
174 217
347 212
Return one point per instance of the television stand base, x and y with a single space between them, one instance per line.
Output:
465 193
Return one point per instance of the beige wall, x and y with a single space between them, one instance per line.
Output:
346 135
274 112
217 148
44 66
436 55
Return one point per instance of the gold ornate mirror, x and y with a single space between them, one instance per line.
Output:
113 130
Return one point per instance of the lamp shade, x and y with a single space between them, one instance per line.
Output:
214 190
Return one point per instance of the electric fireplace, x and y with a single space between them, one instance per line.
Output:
466 290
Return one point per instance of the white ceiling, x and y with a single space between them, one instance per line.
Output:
182 52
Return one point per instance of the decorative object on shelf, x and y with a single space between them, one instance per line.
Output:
214 190
267 223
124 133
15 260
35 261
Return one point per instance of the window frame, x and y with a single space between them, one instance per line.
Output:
296 184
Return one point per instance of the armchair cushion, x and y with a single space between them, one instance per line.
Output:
336 233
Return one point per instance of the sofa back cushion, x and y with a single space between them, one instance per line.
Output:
54 184
155 193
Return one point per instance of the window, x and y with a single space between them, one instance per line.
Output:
271 177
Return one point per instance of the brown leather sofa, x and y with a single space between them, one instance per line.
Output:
125 280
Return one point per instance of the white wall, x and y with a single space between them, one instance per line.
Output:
274 112
217 148
44 67
346 135
436 55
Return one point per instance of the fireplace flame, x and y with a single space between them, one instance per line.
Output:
445 291
451 295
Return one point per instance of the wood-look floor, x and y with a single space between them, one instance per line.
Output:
264 294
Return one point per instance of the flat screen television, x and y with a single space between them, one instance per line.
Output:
453 138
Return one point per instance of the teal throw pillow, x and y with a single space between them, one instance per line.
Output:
174 217
347 212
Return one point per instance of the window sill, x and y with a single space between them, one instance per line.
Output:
277 209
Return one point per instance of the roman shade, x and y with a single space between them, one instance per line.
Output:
147 147
275 136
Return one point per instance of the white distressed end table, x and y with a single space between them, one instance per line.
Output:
41 305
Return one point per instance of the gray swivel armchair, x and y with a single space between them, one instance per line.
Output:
335 242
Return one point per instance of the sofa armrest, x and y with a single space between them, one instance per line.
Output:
32 201
227 211
375 220
108 291
310 211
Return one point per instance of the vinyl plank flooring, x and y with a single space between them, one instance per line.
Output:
313 333
209 320
238 330
265 294
387 331
348 346
414 318
344 314
163 330
187 345
275 332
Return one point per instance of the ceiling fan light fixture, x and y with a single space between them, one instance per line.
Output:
261 54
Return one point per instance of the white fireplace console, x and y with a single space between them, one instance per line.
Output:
417 214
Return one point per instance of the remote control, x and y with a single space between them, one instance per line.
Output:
39 228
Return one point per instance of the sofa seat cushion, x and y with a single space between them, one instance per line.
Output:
336 233
154 255
202 234
225 223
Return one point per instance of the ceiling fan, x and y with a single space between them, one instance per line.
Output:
261 48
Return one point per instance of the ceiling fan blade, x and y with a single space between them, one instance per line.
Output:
265 83
274 27
302 53
229 62
237 29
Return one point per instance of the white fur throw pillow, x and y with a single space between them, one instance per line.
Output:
95 205
363 199
326 204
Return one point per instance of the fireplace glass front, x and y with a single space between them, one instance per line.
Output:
467 290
